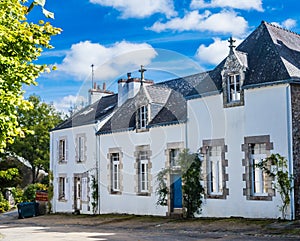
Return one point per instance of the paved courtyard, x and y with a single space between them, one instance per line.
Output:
127 227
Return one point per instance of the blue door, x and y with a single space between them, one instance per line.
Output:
176 191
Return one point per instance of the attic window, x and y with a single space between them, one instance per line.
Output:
142 117
233 88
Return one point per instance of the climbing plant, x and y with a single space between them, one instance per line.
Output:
95 194
192 190
276 167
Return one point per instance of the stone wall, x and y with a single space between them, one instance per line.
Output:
295 99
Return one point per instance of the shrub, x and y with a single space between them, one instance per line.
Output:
30 191
17 194
4 204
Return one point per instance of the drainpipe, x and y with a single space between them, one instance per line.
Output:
290 146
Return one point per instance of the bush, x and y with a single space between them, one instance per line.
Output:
30 191
17 194
4 204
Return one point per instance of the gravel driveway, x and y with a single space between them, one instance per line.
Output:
63 227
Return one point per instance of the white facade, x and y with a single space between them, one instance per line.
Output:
128 199
264 112
77 174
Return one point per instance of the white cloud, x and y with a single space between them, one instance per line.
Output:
236 4
288 23
215 52
139 8
64 104
223 22
108 62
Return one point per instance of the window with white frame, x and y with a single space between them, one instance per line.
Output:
233 87
143 172
61 188
173 157
215 170
80 148
258 184
62 150
115 172
143 117
257 155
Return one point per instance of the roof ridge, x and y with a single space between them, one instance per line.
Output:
279 27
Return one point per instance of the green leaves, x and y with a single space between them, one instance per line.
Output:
21 44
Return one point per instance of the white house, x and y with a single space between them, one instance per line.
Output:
234 116
73 154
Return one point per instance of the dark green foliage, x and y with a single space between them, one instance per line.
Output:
95 190
283 180
192 189
30 191
34 147
162 190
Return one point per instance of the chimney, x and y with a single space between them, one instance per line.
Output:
104 86
128 75
95 86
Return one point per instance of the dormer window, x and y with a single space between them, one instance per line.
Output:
143 117
233 88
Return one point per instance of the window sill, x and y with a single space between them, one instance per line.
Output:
143 194
113 192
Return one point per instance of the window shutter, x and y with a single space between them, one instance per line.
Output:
67 149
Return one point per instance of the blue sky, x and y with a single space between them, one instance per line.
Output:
170 37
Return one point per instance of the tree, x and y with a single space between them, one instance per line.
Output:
192 190
34 147
21 43
282 179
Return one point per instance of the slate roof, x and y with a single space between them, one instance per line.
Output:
92 113
273 55
270 54
169 107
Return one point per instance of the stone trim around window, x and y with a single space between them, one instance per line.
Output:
247 175
84 157
62 159
240 102
206 144
138 150
109 173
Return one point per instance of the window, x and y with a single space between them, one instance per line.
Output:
61 188
115 172
257 155
173 157
215 176
258 184
233 87
214 168
143 117
80 148
143 172
62 150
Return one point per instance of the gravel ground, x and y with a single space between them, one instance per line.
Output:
129 227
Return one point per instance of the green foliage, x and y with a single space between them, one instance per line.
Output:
192 190
4 204
162 189
21 44
34 147
7 178
17 194
50 191
95 194
30 191
283 180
